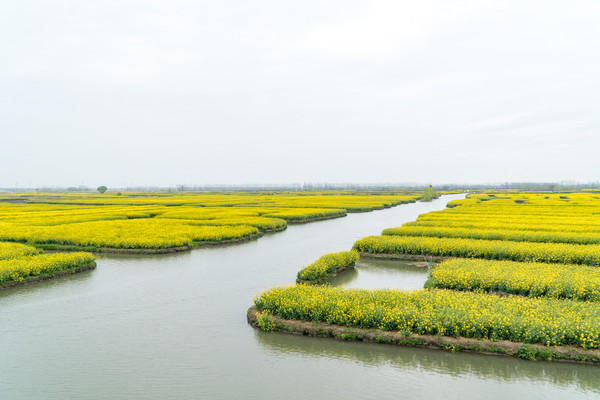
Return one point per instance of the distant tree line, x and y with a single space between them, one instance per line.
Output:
316 186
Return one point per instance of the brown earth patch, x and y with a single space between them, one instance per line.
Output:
304 221
331 275
506 348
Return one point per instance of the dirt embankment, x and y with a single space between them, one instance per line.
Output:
59 248
531 352
313 219
325 278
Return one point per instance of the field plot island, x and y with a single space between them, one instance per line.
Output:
511 274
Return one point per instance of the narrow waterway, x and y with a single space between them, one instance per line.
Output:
174 326
380 274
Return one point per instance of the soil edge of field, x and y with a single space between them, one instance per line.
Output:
532 352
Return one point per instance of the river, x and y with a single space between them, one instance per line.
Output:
174 326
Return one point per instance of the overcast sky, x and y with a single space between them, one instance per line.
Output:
124 92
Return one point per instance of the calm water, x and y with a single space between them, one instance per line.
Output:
174 326
373 273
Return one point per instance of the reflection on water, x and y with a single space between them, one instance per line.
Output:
466 367
378 274
66 281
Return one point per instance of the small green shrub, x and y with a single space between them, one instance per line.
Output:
429 194
265 322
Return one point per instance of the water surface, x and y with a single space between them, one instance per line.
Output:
373 273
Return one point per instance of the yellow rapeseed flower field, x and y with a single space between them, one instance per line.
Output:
19 261
547 236
12 250
326 265
138 220
126 234
553 241
576 282
487 249
474 315
19 268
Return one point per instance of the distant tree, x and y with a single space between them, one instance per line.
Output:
429 194
102 189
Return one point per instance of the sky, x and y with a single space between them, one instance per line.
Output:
161 93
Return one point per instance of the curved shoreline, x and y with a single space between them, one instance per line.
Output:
526 351
60 248
115 250
326 277
314 219
48 276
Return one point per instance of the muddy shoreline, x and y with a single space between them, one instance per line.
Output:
314 219
325 278
48 276
532 352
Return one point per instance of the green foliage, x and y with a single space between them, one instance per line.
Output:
429 194
349 336
265 322
532 354
102 189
